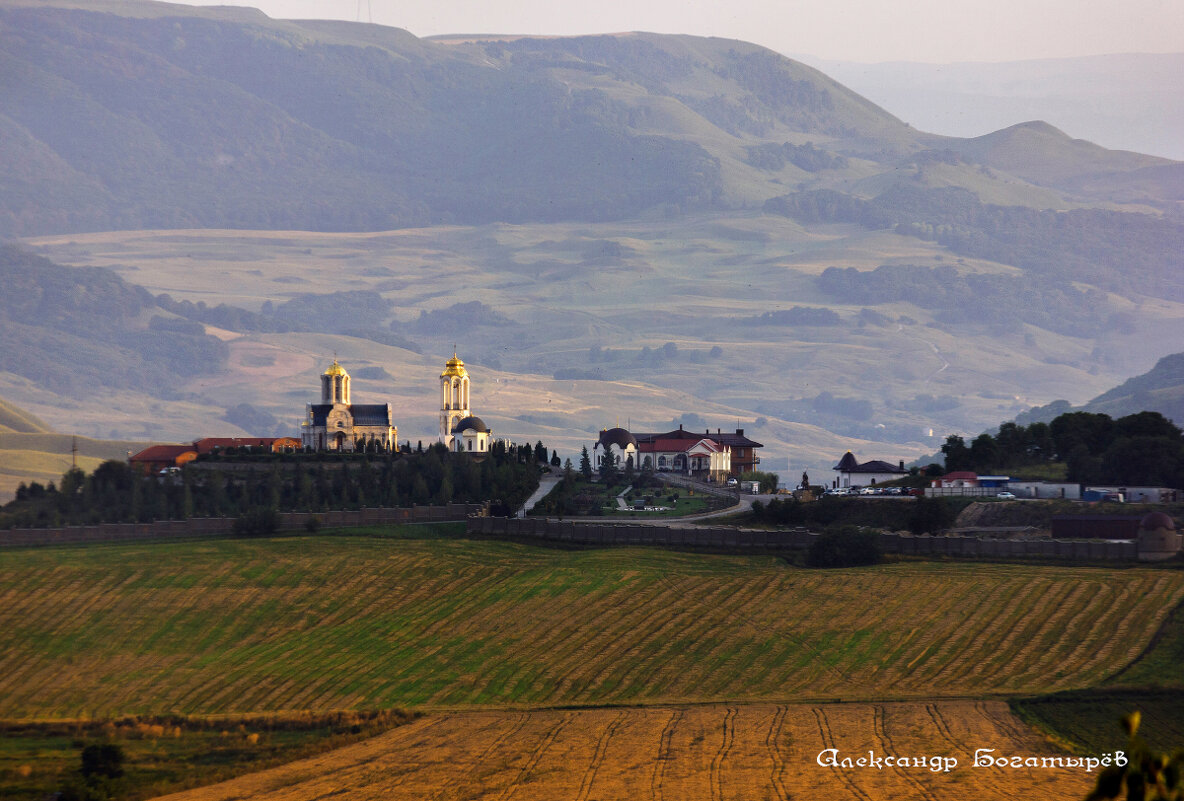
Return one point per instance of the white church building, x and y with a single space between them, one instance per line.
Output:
460 430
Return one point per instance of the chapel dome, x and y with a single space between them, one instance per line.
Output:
473 422
617 437
1157 520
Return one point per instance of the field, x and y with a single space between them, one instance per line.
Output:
431 622
697 283
171 753
753 753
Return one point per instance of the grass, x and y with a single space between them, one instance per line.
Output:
1088 721
418 618
168 754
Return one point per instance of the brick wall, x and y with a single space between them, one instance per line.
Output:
207 527
761 540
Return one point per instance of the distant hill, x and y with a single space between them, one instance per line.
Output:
72 330
658 213
150 115
30 451
18 421
1094 97
1160 389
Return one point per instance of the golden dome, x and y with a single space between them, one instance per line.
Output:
336 369
454 367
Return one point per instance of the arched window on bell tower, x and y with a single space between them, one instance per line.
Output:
335 385
454 396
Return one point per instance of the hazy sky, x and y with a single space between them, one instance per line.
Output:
852 30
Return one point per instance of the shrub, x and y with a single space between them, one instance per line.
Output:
845 547
257 522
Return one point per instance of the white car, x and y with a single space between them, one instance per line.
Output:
1005 496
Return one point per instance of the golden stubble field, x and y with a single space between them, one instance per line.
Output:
699 753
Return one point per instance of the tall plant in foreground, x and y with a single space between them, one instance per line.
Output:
1147 775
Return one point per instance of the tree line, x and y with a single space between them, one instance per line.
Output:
117 493
1142 449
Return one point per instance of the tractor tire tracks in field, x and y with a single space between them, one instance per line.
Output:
598 757
773 743
499 741
536 756
828 741
664 754
888 747
725 747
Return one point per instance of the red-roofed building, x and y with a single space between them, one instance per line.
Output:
274 444
706 455
159 457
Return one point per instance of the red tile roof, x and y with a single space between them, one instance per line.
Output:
208 444
162 453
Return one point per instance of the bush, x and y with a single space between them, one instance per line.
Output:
102 760
313 524
931 516
845 547
257 522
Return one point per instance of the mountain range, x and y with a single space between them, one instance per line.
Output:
1096 97
207 204
155 116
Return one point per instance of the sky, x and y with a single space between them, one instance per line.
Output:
934 31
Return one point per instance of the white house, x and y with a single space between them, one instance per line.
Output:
854 474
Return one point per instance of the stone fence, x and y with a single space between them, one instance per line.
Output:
211 527
761 540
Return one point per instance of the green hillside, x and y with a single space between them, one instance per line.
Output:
30 451
149 115
1160 389
249 626
18 421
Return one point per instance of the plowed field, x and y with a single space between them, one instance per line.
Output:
713 753
335 622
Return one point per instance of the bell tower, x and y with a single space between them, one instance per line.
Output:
335 385
454 396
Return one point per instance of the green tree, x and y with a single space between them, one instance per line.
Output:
931 516
956 453
608 466
585 464
983 453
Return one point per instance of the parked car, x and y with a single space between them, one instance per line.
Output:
732 482
1005 496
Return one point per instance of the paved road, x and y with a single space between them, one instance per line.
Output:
546 484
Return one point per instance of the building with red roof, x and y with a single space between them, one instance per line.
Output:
274 444
160 457
706 455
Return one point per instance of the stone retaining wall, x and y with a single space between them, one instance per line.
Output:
206 527
788 539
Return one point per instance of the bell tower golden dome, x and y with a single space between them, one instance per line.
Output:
454 396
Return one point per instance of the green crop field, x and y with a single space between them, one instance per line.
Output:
422 619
